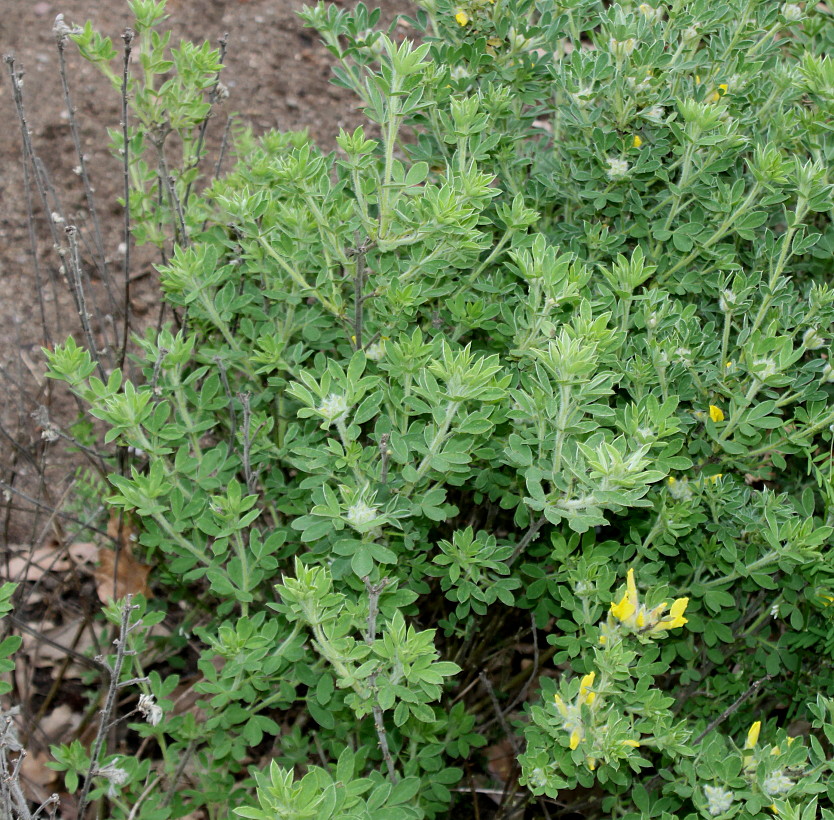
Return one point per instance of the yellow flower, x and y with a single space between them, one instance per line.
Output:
636 142
716 413
719 92
675 618
624 609
713 479
635 744
585 693
560 705
592 763
575 737
461 18
753 735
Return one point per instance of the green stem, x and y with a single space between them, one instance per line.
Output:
470 280
737 417
297 277
719 234
725 339
182 542
390 140
436 443
240 549
561 425
801 210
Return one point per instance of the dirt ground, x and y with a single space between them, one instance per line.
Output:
278 75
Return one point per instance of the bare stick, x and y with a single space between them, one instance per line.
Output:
499 714
522 545
27 183
223 146
172 788
374 591
61 41
80 299
733 707
11 489
383 743
115 672
127 36
251 477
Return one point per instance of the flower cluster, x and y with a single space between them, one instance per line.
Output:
572 712
630 613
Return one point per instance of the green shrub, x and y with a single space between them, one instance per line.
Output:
545 344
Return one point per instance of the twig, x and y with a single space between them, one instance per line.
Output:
534 674
172 788
522 545
20 624
251 477
85 524
80 299
733 707
28 157
53 801
127 37
224 143
374 591
61 41
499 714
125 627
220 157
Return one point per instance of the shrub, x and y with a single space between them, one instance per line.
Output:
541 351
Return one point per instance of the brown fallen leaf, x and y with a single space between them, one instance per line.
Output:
31 566
38 780
83 552
117 576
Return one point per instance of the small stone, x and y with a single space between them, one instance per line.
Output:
42 8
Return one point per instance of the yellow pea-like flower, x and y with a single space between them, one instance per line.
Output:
636 142
720 92
585 693
716 413
461 18
753 735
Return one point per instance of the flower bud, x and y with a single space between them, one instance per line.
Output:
812 340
